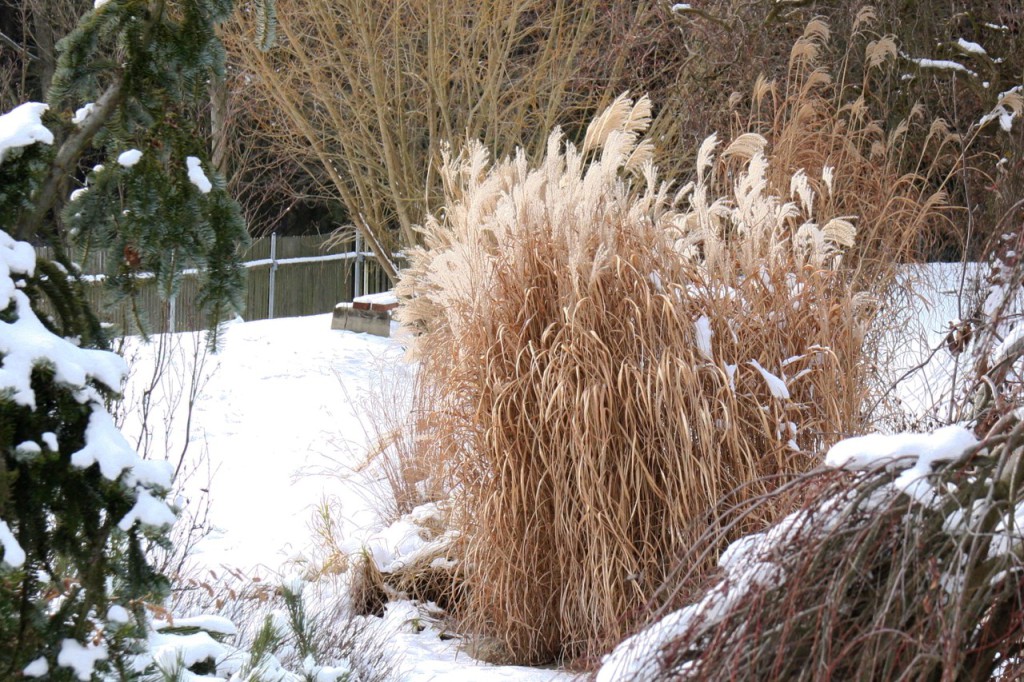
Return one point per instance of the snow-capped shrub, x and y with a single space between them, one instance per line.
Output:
612 362
76 501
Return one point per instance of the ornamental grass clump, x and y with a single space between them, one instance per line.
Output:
827 119
611 361
881 576
906 566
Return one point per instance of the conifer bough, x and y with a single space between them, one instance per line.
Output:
78 507
139 73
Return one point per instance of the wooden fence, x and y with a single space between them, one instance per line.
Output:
305 276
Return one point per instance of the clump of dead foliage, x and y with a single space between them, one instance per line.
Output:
609 357
612 360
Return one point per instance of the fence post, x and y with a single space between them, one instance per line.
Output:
357 289
273 273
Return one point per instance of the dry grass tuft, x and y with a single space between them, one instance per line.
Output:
399 458
607 366
374 578
863 583
907 567
880 189
368 589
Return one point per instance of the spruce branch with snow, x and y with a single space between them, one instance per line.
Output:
78 506
76 502
141 69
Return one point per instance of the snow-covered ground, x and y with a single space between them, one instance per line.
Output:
915 358
280 424
280 420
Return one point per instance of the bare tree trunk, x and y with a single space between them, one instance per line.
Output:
218 123
43 30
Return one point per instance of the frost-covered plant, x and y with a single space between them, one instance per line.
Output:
291 631
611 362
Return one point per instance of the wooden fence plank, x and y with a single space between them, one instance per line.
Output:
306 288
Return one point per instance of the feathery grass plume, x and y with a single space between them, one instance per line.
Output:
819 120
745 146
829 143
604 369
865 16
878 51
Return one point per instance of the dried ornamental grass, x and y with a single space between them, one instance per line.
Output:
828 134
839 152
905 566
606 368
865 582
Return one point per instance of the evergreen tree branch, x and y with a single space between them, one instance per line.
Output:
67 156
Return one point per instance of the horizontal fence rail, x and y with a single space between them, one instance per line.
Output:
285 277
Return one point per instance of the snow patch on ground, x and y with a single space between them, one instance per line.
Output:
428 658
282 418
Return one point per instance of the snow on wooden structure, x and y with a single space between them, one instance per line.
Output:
369 314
